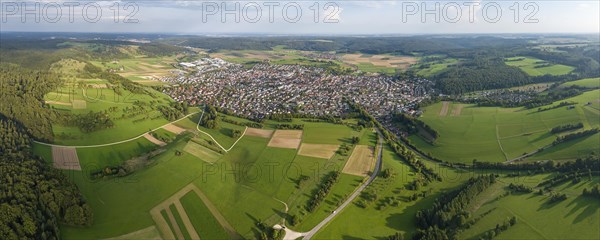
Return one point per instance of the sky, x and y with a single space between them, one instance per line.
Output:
302 17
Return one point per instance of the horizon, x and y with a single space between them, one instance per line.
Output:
303 17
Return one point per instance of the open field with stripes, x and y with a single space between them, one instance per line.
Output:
494 134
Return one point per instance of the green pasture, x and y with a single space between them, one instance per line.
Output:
495 134
202 219
587 83
575 218
535 67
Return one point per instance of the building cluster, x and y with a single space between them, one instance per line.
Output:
268 89
205 65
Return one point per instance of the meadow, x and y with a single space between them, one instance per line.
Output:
586 83
536 217
494 134
538 67
141 69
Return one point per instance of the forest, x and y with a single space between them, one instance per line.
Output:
34 197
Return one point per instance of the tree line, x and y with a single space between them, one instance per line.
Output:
448 213
566 127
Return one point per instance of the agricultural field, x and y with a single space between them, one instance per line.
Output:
429 69
538 67
266 178
586 83
379 63
81 96
141 69
494 134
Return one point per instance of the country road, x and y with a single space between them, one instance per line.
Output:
312 232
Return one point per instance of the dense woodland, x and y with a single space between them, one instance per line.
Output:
34 197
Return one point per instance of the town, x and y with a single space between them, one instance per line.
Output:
266 89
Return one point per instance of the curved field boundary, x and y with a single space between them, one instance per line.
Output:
213 139
113 143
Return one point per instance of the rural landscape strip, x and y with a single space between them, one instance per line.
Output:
113 143
325 221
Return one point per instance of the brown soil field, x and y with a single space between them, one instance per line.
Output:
174 129
360 162
444 110
318 150
65 158
286 139
257 132
457 109
154 140
79 104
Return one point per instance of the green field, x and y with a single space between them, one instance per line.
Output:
575 218
494 134
587 83
538 67
435 67
204 222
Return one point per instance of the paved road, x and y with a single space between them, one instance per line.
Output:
312 232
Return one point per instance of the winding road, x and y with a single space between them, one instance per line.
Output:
313 231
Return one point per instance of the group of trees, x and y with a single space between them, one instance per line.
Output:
289 126
322 190
448 213
411 125
500 228
175 111
566 127
576 135
34 197
520 188
210 118
247 124
593 192
91 121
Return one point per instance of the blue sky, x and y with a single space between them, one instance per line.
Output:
339 17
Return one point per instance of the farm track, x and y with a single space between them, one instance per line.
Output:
214 140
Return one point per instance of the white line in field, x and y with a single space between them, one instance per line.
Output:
213 139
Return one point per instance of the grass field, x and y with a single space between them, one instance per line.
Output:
537 67
494 134
118 106
379 63
587 83
575 218
204 222
435 67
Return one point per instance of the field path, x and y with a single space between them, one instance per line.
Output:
186 220
214 140
114 143
500 144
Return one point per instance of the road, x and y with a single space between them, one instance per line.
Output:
312 232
